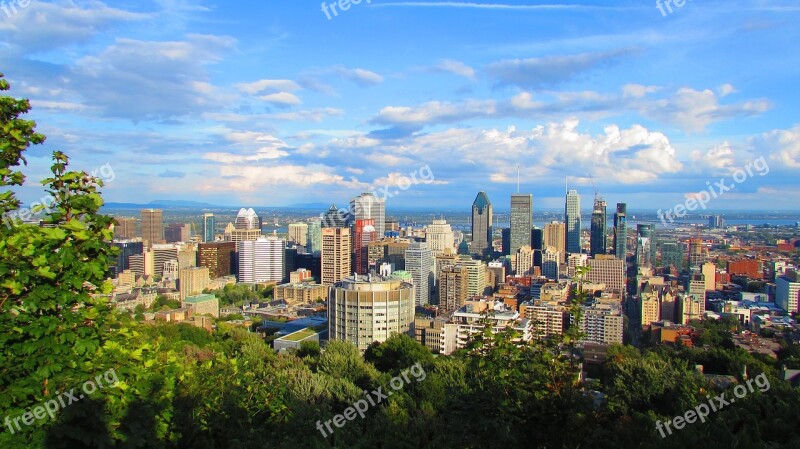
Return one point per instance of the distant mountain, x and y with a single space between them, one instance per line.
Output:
324 206
166 204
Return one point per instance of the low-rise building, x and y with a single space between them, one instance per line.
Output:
205 304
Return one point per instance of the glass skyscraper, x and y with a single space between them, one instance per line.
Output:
573 215
208 227
521 221
621 231
599 241
482 224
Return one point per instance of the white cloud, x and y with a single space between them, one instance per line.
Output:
456 68
281 99
259 86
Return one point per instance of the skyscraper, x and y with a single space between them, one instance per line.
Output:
648 231
247 219
298 233
124 228
368 207
671 254
521 220
573 216
419 261
314 236
152 226
364 233
335 255
261 260
439 236
482 224
555 235
621 231
334 218
599 241
209 227
218 257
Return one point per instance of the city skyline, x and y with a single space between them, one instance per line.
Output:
243 119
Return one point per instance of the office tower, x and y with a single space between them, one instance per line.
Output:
537 244
453 288
555 235
363 310
495 275
388 250
335 255
697 253
261 260
607 270
621 231
599 240
716 222
218 257
192 281
787 291
709 271
476 272
298 233
439 236
521 221
334 218
481 225
671 254
124 228
551 258
642 252
152 226
247 219
364 234
442 261
419 263
162 253
187 255
368 207
572 212
127 248
209 227
177 232
649 231
505 238
314 236
691 308
523 262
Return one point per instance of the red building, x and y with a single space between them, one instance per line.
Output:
750 268
364 234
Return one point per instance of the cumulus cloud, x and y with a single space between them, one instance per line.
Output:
455 67
270 85
281 99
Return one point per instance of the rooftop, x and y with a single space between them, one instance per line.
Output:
200 298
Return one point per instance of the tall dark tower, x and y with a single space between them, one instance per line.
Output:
621 231
521 221
482 224
599 240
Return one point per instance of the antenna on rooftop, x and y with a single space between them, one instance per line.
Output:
517 178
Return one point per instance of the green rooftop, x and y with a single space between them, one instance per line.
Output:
299 335
200 298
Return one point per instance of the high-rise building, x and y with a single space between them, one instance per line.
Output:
314 236
621 231
124 228
152 226
453 288
599 239
364 234
419 261
643 252
551 259
298 233
521 220
555 236
537 244
218 257
363 310
573 222
697 253
192 281
162 253
671 254
649 231
607 270
335 255
388 250
439 236
481 225
209 227
261 260
716 222
505 236
177 232
368 207
247 219
334 218
710 274
523 262
787 293
127 248
476 272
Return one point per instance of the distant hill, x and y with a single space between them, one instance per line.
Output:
165 204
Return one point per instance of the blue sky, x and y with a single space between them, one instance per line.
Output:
271 103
